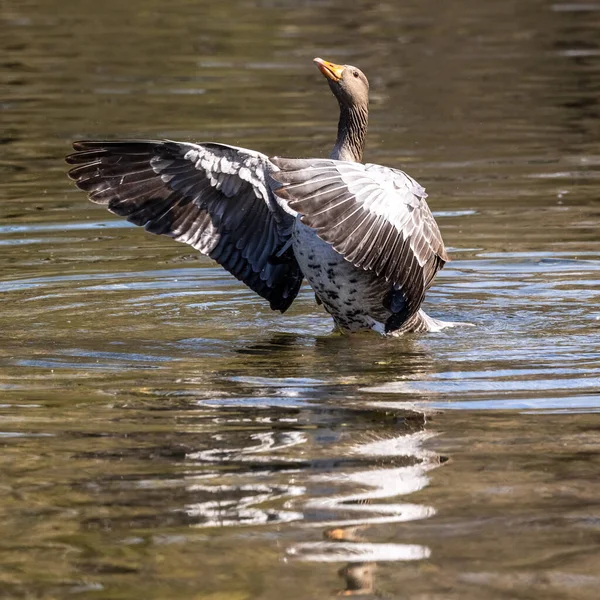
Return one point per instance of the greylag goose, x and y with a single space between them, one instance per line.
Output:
361 234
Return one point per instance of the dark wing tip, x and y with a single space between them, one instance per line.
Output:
129 146
281 301
85 144
82 157
81 154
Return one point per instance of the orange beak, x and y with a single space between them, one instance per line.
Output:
330 70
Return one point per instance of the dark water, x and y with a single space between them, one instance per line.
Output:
164 435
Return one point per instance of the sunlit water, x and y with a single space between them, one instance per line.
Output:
165 435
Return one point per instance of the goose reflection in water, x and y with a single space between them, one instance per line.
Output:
369 497
280 451
345 538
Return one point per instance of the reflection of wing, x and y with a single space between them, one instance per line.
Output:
376 217
213 197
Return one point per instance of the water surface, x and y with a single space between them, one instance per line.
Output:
165 435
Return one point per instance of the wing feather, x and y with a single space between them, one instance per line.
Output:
376 217
214 197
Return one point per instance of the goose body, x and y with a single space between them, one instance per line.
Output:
362 235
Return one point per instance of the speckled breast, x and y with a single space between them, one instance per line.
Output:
352 296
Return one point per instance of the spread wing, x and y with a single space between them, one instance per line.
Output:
376 217
213 197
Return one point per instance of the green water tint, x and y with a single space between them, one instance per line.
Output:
166 435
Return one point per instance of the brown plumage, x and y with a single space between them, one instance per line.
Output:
362 235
